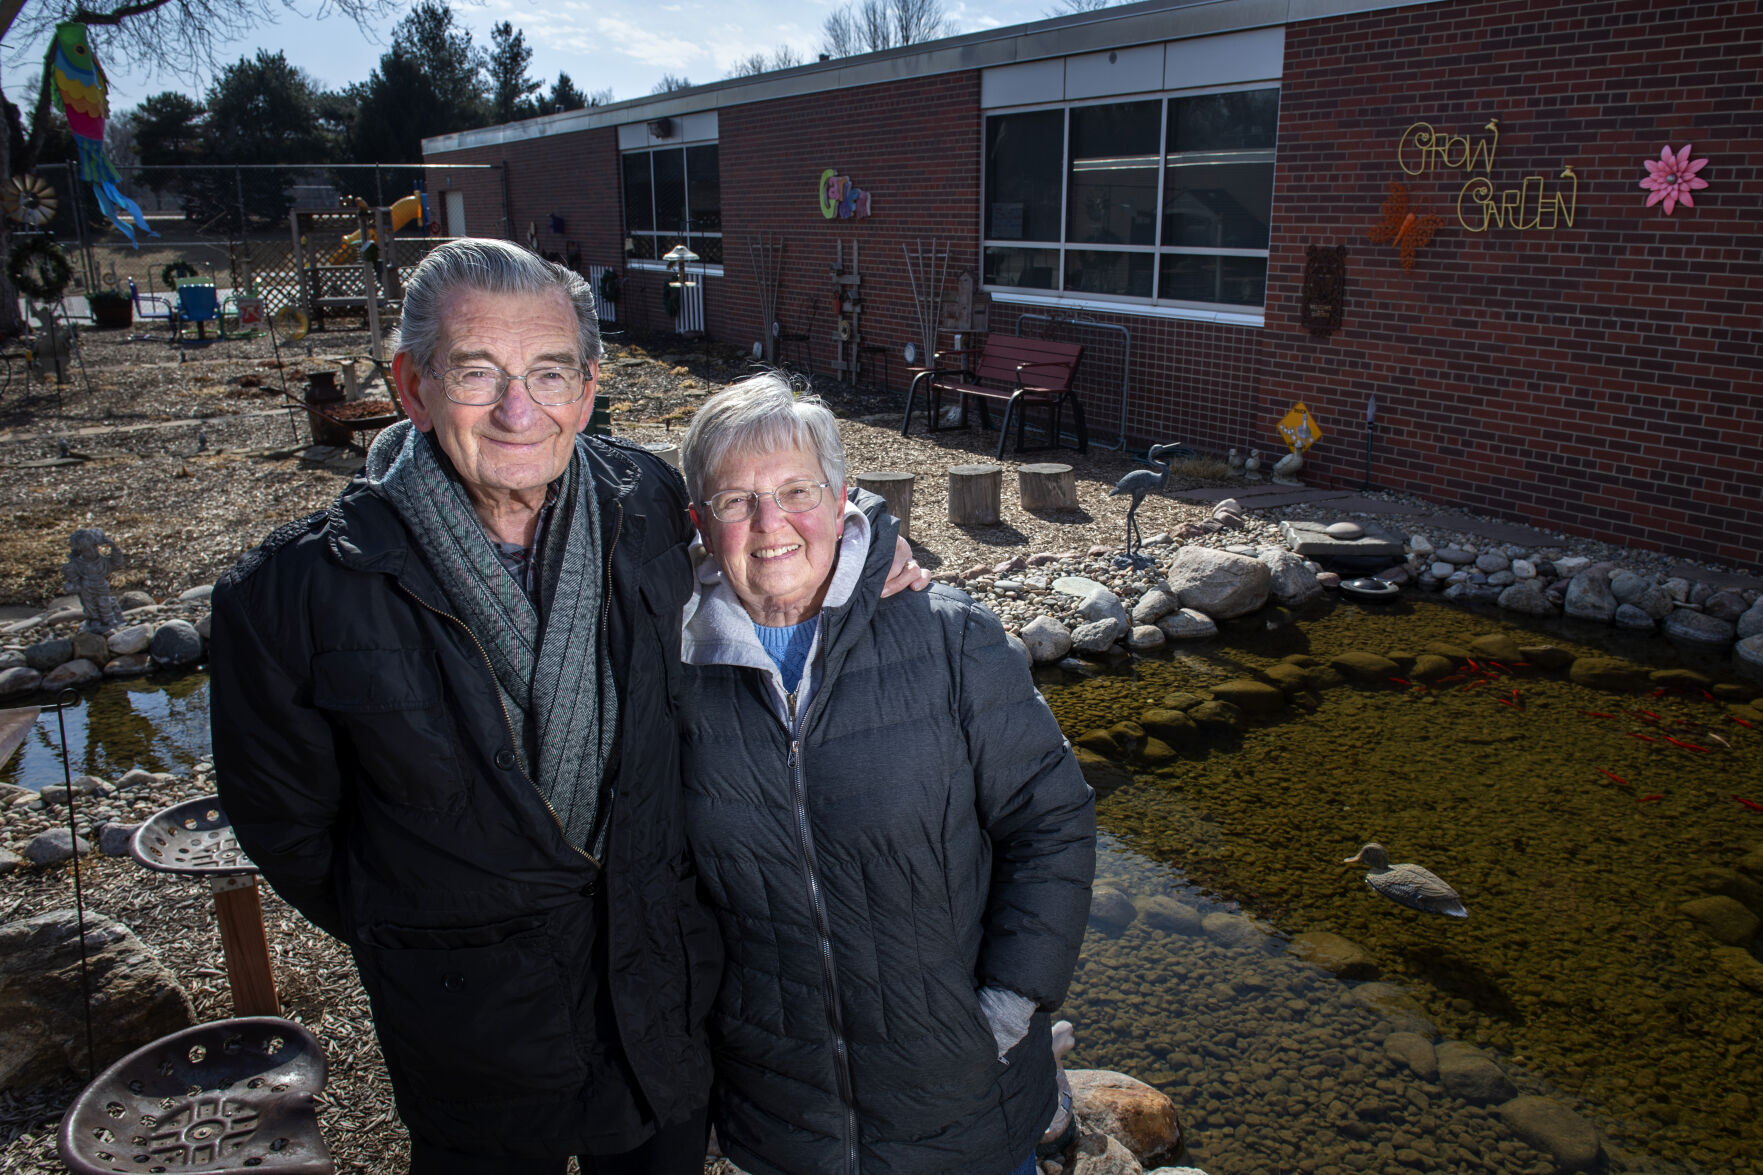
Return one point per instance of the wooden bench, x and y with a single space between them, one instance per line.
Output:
1018 371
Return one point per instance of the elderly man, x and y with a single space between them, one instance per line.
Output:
444 728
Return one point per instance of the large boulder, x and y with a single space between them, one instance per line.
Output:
1724 918
1747 654
1555 1130
176 642
1100 1154
1339 956
1698 628
1589 597
1289 577
1750 623
73 674
135 638
1046 639
1103 775
22 679
1250 696
42 1013
1608 673
1527 598
1221 584
1102 604
1187 624
1126 1109
1098 636
1154 605
46 655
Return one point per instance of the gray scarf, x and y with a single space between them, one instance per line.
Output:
545 652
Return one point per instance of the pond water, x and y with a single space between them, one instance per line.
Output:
157 725
1575 969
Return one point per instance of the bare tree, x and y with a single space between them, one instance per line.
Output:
1073 7
783 57
869 26
669 83
176 38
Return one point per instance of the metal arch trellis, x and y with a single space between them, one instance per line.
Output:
1051 325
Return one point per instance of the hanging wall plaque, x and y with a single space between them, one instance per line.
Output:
1325 288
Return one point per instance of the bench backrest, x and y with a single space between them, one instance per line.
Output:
1001 355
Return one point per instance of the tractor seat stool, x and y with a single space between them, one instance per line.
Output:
232 1097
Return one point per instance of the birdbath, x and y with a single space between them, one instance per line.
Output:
195 839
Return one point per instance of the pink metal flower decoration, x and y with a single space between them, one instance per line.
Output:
1672 178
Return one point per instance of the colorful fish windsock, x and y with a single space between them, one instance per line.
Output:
79 80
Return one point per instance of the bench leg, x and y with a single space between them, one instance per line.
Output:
1011 408
1077 416
912 394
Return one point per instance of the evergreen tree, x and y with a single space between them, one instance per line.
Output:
431 82
511 89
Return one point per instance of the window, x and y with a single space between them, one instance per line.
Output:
1162 200
673 196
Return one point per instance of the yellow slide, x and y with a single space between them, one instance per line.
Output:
403 212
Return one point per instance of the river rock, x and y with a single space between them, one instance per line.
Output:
1125 1109
55 845
1102 774
1235 930
1698 628
71 675
1751 622
10 862
1496 646
1724 918
1101 1154
1046 639
1492 561
1727 605
1589 598
1627 585
176 642
1186 624
1608 673
1110 910
1075 585
1217 715
1219 583
1289 577
42 1018
1526 598
1154 605
114 840
1103 604
1713 879
1165 913
1455 555
133 639
1553 1129
1145 637
1399 1009
1745 968
1632 619
1747 654
1414 1051
46 655
1098 636
196 595
1552 658
1571 566
1250 696
22 679
1172 726
1340 957
90 646
1364 668
129 665
1523 569
1469 1073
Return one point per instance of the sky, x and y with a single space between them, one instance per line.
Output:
627 45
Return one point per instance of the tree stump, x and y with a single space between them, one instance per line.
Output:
974 492
1047 486
896 488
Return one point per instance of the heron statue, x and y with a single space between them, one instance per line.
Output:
1140 482
1408 885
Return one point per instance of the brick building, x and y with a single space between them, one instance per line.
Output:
1558 352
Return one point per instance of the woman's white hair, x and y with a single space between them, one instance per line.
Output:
759 414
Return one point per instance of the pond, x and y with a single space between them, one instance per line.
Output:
1570 824
1575 969
154 724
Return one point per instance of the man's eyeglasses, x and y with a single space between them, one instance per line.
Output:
793 497
480 387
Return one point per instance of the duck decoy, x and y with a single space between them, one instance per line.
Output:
1408 885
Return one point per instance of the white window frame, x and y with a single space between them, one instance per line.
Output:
654 264
1154 306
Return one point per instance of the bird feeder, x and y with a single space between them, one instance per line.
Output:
677 259
195 839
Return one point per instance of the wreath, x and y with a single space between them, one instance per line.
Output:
610 286
168 277
670 299
39 269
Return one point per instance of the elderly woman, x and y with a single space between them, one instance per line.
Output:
894 837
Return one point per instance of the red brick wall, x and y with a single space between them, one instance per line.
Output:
1596 379
1599 379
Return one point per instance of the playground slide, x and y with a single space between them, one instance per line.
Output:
403 212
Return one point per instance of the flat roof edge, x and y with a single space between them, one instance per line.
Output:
1065 36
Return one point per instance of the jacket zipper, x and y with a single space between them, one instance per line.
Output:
841 1053
506 720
